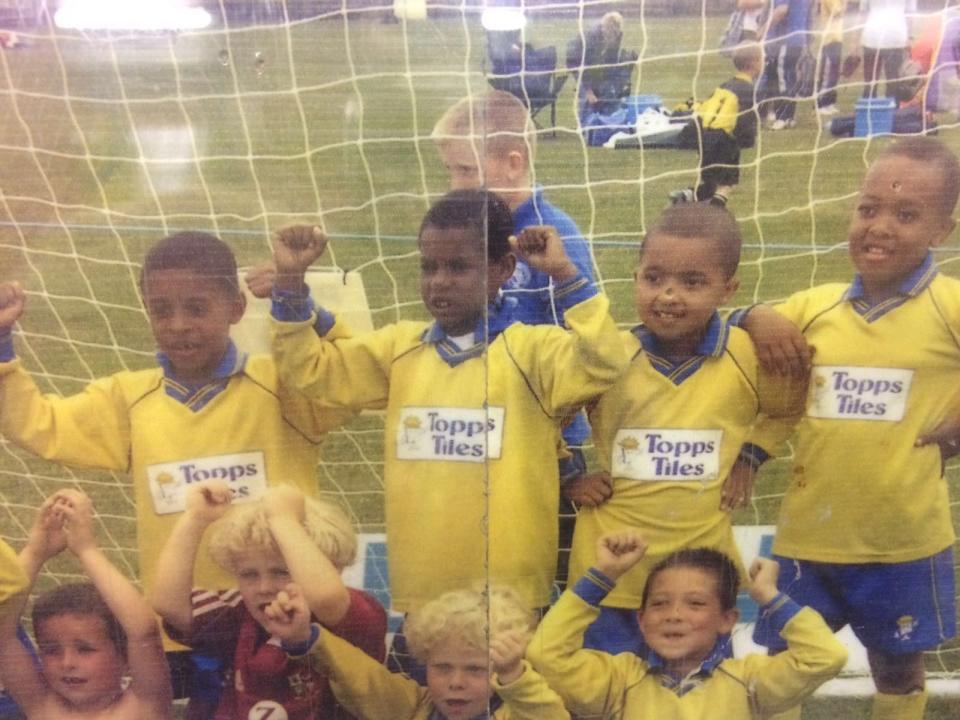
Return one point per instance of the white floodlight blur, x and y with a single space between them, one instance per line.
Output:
503 19
130 15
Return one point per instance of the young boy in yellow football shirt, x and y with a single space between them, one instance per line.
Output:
674 434
865 529
688 610
474 400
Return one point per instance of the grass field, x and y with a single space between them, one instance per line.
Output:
107 143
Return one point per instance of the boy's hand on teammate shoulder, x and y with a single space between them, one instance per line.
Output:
780 346
288 617
284 501
260 279
763 580
208 501
541 247
738 487
506 654
12 301
77 510
295 248
946 435
589 490
619 551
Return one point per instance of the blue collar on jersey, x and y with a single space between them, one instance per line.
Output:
528 212
693 679
492 707
912 285
501 314
713 344
197 397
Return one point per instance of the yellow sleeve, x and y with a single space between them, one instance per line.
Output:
720 111
351 372
13 579
529 698
364 687
90 429
813 656
570 367
591 683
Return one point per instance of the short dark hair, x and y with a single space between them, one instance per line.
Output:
930 150
709 561
78 599
205 254
701 221
478 210
747 56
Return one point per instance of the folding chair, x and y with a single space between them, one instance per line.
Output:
526 72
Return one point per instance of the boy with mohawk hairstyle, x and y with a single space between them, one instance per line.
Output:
284 545
867 536
472 645
489 140
474 400
688 611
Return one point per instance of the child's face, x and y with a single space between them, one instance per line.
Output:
470 168
678 285
456 280
896 221
80 662
190 317
458 679
260 576
683 617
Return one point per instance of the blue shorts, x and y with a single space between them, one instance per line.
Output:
897 608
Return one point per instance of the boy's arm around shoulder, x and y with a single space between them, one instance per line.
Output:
813 656
363 686
591 683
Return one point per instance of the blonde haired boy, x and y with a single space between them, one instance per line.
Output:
472 644
285 544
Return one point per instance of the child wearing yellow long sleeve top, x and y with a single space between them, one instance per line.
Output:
474 401
471 642
688 611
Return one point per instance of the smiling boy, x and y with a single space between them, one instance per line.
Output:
674 434
689 609
187 419
865 525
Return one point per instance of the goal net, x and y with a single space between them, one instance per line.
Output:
277 112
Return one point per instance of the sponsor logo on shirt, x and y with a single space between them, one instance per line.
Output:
858 393
665 454
450 433
246 473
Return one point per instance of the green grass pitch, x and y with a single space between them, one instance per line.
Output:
106 144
